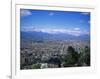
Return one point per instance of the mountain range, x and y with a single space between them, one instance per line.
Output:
42 36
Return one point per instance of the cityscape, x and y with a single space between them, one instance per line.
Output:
54 39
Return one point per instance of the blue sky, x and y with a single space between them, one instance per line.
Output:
49 21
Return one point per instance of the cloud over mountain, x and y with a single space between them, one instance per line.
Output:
74 31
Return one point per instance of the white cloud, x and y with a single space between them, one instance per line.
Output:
85 13
51 14
81 21
76 28
89 22
74 31
26 29
24 12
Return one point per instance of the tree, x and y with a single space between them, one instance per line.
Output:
71 58
85 57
